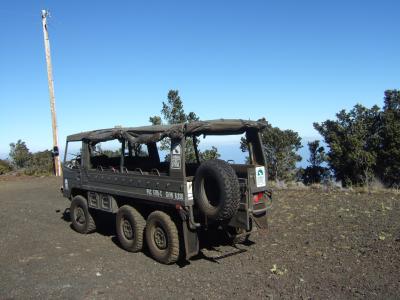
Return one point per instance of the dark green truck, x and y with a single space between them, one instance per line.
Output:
166 204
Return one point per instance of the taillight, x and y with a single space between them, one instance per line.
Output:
257 197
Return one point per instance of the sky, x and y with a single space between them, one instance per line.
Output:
292 62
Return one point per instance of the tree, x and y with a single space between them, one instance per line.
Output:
38 163
353 139
173 110
280 148
19 154
210 154
317 153
173 113
388 165
315 173
155 120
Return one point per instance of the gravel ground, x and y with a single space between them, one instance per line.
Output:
319 245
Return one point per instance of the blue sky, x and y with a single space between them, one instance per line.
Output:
293 62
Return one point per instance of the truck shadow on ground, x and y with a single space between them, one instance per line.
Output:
214 245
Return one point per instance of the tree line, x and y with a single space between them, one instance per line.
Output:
363 144
23 160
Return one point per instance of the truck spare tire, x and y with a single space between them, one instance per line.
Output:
216 190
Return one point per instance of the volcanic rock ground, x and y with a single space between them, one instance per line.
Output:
319 245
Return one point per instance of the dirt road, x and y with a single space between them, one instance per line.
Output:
320 245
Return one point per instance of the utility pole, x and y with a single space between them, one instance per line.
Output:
57 164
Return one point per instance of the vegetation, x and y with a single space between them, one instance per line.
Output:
38 163
19 154
5 166
353 143
364 143
280 148
315 172
173 113
388 160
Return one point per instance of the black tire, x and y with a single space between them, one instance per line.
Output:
162 237
216 190
82 219
130 226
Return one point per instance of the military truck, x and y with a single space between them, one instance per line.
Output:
166 204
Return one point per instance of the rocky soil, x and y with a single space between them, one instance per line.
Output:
319 245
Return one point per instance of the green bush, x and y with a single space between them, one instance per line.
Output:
5 166
40 163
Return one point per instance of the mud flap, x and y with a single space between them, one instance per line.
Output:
241 220
261 221
191 241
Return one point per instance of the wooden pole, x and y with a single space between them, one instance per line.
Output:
57 163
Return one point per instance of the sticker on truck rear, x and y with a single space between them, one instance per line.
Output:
190 190
176 160
66 187
260 176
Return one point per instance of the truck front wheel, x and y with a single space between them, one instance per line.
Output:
82 220
162 237
130 227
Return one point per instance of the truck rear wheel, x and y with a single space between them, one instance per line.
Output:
82 220
130 228
162 237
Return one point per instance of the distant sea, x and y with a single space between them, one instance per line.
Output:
230 150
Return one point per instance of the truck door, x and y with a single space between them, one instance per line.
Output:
72 167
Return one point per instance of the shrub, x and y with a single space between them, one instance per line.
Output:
41 163
5 166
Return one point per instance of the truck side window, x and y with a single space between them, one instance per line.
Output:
73 157
105 155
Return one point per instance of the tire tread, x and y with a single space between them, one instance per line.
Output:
174 251
139 224
90 223
231 188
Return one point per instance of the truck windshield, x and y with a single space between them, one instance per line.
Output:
72 151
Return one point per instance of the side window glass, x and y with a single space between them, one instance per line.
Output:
164 147
105 155
73 156
108 148
136 150
231 148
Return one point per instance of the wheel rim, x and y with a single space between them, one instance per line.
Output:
80 215
160 238
127 229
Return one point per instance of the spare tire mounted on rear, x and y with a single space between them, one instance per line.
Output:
216 190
